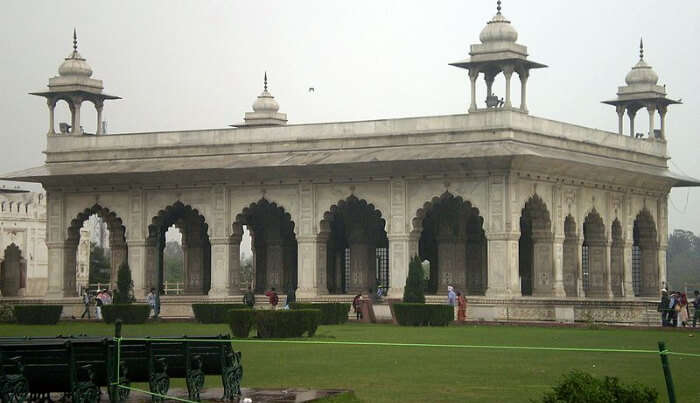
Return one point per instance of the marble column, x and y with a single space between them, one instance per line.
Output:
473 76
56 271
311 264
620 117
399 259
599 269
652 111
98 108
221 267
570 266
508 73
558 267
662 116
627 283
503 278
77 102
524 75
631 114
144 263
52 122
542 265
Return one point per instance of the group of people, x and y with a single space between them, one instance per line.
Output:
674 308
272 297
456 299
103 297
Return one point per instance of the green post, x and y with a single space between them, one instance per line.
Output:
667 372
118 328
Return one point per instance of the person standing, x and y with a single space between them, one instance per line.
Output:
98 305
151 300
672 310
249 298
696 305
683 313
357 306
452 299
291 296
461 307
273 298
86 302
663 307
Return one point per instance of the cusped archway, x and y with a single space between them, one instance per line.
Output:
645 252
594 257
273 243
535 259
452 239
357 247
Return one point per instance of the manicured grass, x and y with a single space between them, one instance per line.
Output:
422 374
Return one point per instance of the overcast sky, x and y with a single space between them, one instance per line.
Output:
197 64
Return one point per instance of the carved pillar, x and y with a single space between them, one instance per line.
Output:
631 114
399 260
51 102
69 265
570 250
558 267
234 263
508 73
98 108
311 265
542 265
649 257
617 268
56 251
503 279
119 253
620 115
627 284
524 75
77 102
223 253
142 263
339 266
662 115
579 264
473 76
489 77
599 269
359 259
652 111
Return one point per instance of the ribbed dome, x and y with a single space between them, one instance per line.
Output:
75 65
499 29
266 103
642 74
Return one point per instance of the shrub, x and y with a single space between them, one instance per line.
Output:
38 314
331 313
578 386
414 292
124 294
423 314
214 313
241 321
7 314
287 323
128 313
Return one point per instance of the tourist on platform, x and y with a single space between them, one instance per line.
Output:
683 313
107 297
98 305
86 302
291 296
452 300
249 298
461 307
673 308
151 300
696 305
273 298
357 306
663 307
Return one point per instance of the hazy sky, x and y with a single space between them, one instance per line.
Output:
198 64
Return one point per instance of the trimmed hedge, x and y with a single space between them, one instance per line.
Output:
423 314
241 321
128 313
278 324
214 313
331 313
37 314
578 386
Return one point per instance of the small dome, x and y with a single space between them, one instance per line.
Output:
266 103
499 29
75 65
642 74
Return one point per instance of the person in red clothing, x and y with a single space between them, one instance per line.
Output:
272 296
461 307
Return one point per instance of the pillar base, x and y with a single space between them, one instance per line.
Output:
219 292
396 292
306 292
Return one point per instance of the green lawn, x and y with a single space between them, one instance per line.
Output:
431 374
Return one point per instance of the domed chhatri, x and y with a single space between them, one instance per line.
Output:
265 111
74 84
75 64
642 91
498 53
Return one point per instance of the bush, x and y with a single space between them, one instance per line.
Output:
7 314
241 321
578 386
331 313
128 313
124 294
287 323
38 314
423 314
414 292
214 313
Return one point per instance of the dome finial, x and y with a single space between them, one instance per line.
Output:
265 81
498 7
75 41
641 49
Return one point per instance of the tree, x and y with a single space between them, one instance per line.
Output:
125 287
415 283
683 260
100 266
247 269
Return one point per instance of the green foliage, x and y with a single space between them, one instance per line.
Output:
214 313
241 321
287 323
100 265
128 313
415 283
7 314
173 258
683 259
124 294
37 314
581 387
247 270
331 313
423 314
